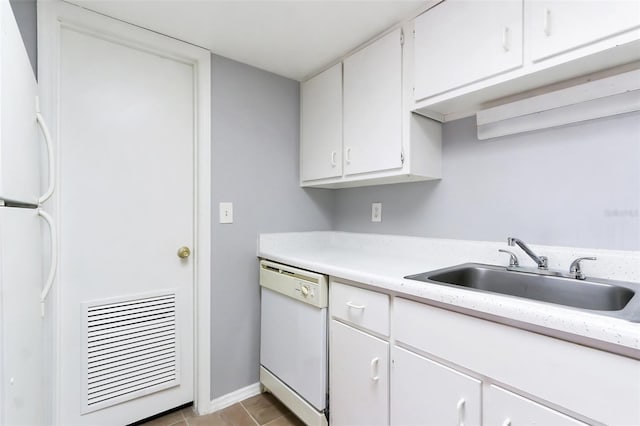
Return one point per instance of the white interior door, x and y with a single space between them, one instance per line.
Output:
126 206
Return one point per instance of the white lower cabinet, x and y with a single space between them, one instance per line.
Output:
401 362
504 408
359 377
356 124
424 392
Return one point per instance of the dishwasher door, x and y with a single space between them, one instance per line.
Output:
293 335
293 345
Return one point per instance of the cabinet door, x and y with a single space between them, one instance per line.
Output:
504 408
460 42
373 107
558 26
424 392
359 378
321 125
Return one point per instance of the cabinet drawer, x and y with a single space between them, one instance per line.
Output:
502 407
364 308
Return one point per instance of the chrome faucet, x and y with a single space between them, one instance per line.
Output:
513 259
542 261
575 271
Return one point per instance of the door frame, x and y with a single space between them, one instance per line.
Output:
52 16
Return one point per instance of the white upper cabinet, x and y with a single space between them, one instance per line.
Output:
470 55
559 26
321 125
459 42
357 127
373 106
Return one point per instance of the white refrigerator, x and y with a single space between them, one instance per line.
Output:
25 237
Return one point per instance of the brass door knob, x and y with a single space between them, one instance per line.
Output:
184 252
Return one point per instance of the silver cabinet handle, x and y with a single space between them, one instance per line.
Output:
348 155
354 306
505 39
374 369
546 26
334 154
460 409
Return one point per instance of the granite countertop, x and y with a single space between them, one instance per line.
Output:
381 261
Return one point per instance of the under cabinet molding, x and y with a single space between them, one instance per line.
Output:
603 97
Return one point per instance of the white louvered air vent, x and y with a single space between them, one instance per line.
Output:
131 349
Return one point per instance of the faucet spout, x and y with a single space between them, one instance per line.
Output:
542 261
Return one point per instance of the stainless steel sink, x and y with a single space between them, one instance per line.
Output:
612 298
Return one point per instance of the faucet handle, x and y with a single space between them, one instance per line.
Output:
513 259
575 270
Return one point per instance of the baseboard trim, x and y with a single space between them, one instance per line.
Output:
231 398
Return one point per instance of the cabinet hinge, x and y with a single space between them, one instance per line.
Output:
401 38
402 158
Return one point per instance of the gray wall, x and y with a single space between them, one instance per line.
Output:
26 15
576 186
255 125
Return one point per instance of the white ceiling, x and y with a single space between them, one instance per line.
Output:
293 38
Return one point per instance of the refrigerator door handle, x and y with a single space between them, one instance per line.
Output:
47 138
54 258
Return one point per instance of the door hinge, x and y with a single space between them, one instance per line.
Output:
401 38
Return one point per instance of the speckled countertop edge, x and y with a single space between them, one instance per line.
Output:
381 262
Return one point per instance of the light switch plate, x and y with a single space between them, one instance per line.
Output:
226 212
376 212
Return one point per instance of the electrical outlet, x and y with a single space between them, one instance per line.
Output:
226 212
376 212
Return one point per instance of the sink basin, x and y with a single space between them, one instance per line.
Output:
606 297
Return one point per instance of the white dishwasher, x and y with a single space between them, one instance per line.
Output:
293 339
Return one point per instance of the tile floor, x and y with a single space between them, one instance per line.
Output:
260 410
